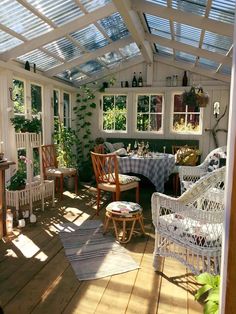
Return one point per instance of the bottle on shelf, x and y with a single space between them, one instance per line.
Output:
140 80
9 222
175 80
134 81
185 79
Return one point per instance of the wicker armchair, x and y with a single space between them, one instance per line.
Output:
189 228
189 174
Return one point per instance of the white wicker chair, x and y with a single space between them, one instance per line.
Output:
189 228
190 174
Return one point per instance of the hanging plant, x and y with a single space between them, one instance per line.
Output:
189 98
202 98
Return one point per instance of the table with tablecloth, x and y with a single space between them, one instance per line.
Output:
156 167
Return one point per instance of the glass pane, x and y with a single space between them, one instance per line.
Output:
36 98
91 5
108 119
7 41
120 122
193 123
114 26
178 105
143 103
179 122
108 103
142 122
66 109
158 25
56 102
120 102
18 94
156 103
155 122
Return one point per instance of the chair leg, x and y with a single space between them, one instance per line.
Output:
137 194
117 194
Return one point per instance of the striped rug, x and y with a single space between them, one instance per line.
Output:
92 254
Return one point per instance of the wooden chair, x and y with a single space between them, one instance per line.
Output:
105 168
51 169
100 149
176 182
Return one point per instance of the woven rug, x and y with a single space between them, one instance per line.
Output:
92 254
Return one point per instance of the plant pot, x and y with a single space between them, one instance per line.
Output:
69 183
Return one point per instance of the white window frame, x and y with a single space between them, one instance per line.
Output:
39 114
186 113
149 94
25 107
66 116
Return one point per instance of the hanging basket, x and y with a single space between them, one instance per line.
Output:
189 98
202 98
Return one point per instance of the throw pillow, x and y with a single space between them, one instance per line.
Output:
109 147
118 145
187 156
124 179
214 163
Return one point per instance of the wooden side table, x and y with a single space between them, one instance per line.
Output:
3 167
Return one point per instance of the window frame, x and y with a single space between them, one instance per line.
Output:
66 118
186 113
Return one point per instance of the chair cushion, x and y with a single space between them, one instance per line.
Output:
109 147
124 207
214 163
124 179
60 171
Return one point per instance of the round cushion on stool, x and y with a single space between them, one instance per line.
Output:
124 208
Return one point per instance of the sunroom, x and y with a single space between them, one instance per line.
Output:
153 83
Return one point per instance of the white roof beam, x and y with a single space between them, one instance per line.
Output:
59 32
190 49
193 69
187 18
90 56
169 4
121 67
135 28
228 54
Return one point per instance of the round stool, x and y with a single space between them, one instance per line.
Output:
123 213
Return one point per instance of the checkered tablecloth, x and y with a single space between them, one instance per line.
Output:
157 169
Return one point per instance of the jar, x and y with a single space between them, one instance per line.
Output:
175 80
9 222
168 81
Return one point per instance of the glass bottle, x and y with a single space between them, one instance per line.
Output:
185 79
140 80
134 81
175 80
9 222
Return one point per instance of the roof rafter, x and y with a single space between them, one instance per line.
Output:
61 31
90 56
192 68
135 28
184 18
199 52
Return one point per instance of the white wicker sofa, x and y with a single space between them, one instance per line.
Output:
189 228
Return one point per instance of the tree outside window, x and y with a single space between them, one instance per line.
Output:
56 108
186 118
66 109
36 99
19 103
114 112
149 113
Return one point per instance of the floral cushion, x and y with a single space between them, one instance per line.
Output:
124 179
214 163
124 207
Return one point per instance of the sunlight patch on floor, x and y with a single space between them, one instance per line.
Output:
26 246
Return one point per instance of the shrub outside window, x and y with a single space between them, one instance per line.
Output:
149 113
19 103
114 112
186 118
66 109
36 99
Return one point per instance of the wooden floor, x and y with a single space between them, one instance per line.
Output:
36 277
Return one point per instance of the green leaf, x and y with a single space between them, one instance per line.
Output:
202 290
211 308
93 105
214 295
206 278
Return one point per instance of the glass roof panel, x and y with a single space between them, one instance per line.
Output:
163 50
63 48
216 43
223 10
90 38
72 75
110 58
114 26
64 11
194 6
16 17
130 50
7 41
206 63
187 34
158 26
42 60
183 56
91 5
225 69
160 2
91 67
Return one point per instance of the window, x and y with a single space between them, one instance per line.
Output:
149 113
36 99
186 119
56 107
19 95
66 109
114 112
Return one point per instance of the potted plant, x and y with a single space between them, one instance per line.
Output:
18 180
209 292
196 99
21 124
